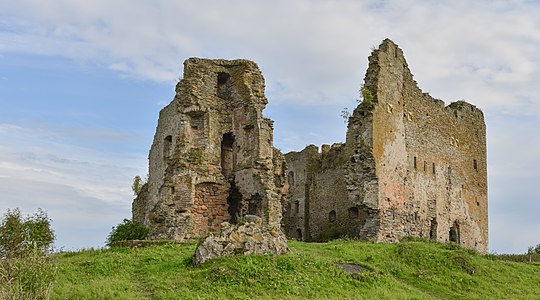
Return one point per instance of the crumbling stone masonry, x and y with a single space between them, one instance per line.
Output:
410 166
212 159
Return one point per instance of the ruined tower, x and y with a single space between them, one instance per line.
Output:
212 158
410 166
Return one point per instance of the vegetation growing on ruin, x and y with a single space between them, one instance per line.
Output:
411 270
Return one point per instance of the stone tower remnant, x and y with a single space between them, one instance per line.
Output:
212 159
410 166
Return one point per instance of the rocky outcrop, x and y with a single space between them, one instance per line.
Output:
250 236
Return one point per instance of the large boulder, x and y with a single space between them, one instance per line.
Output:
248 237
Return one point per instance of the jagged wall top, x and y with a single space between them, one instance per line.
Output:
198 85
389 54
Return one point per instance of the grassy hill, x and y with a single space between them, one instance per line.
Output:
410 270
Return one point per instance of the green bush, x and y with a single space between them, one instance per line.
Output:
127 230
20 236
26 272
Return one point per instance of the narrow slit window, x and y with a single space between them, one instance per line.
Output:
414 162
167 146
433 167
475 164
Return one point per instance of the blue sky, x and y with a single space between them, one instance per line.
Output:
82 83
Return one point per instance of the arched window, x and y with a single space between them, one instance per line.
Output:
453 234
332 216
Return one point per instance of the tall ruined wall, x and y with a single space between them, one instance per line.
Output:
410 167
212 159
430 160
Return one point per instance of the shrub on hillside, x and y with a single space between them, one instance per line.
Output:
127 230
26 272
20 236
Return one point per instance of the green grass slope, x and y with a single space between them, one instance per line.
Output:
411 270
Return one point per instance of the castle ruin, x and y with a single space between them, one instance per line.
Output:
410 166
212 159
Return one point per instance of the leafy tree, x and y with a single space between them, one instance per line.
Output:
127 230
19 236
533 250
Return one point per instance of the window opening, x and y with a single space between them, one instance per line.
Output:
475 164
299 234
414 162
433 230
332 216
353 213
224 85
227 154
453 235
167 145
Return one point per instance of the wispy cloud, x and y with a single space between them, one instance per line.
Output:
484 51
89 188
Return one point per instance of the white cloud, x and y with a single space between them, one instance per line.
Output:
38 155
491 46
81 188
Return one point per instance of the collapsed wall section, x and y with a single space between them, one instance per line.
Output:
212 159
323 205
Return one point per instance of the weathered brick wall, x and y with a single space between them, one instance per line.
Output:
425 156
212 159
410 167
321 205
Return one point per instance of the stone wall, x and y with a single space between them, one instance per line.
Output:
410 167
212 159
